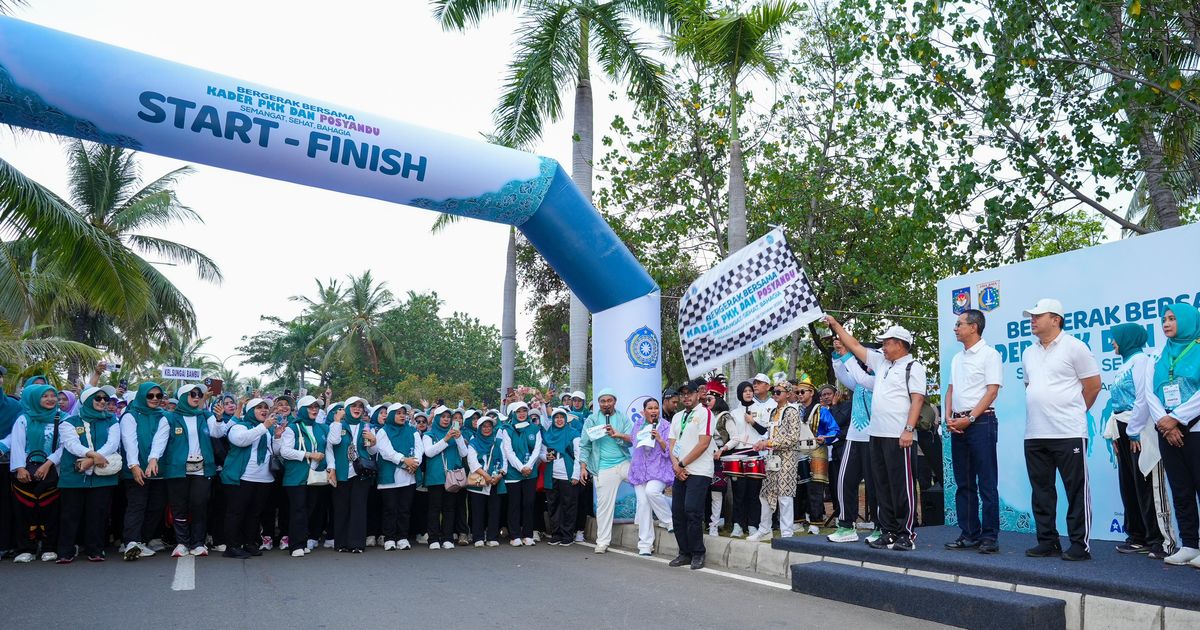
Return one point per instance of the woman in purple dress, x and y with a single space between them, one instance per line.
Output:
650 472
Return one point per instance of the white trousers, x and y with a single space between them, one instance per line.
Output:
608 481
650 503
787 516
718 501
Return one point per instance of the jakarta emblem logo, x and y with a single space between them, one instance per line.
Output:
962 300
989 296
642 348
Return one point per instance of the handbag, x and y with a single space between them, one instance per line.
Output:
478 479
456 478
363 466
114 461
315 477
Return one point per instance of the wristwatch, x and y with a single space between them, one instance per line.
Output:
910 429
970 418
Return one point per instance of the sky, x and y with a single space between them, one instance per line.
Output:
272 239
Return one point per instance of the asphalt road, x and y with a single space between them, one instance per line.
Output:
543 587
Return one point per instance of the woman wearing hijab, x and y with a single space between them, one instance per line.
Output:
485 459
522 444
650 473
738 439
321 524
145 496
561 477
247 478
67 403
419 522
378 416
350 438
88 441
1174 408
183 444
400 453
1127 406
462 528
34 454
302 449
437 441
227 413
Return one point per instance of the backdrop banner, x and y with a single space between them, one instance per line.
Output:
752 298
1099 287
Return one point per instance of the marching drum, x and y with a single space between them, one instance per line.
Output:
754 467
731 465
803 471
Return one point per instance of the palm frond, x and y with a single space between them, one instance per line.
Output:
443 221
547 60
625 59
461 14
206 268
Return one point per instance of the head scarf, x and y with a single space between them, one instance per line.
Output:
140 408
351 420
29 382
743 386
1130 338
557 438
36 417
379 411
88 412
249 419
222 416
1186 366
483 445
403 436
72 403
184 405
332 413
436 430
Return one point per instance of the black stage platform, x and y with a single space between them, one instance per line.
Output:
1108 574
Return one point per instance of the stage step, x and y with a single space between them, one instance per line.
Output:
963 605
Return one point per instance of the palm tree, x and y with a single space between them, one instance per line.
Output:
734 44
556 45
354 333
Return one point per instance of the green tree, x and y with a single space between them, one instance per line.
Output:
353 332
556 46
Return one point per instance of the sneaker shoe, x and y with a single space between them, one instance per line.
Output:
663 525
328 544
874 535
284 543
537 536
600 549
267 543
759 537
698 561
736 532
312 544
752 530
578 536
1075 553
64 560
297 553
434 546
146 550
1157 553
447 545
493 543
23 558
902 543
516 542
422 539
132 551
356 550
478 543
988 547
1044 550
96 557
814 530
179 551
156 545
1195 562
403 544
370 541
199 551
843 535
680 560
962 544
883 542
1133 548
218 548
645 554
237 553
252 550
865 526
389 545
529 542
463 541
712 531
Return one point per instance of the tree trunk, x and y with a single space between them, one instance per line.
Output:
793 353
1162 198
737 210
581 173
508 324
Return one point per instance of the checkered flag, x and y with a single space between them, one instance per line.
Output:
752 298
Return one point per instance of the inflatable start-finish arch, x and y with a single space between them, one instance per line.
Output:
62 84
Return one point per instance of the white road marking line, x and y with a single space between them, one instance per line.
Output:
185 574
743 578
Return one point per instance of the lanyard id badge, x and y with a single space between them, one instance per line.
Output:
1172 396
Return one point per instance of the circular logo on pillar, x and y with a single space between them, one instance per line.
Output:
642 348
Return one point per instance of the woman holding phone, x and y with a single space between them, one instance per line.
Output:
400 453
349 440
302 448
485 459
522 444
247 477
437 442
88 440
145 496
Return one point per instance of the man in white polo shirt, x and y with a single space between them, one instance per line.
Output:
1062 380
976 375
692 460
895 407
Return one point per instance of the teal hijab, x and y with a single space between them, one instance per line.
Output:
483 445
222 416
350 419
37 417
436 430
29 382
250 421
140 409
1130 338
1185 366
88 412
184 406
403 436
559 439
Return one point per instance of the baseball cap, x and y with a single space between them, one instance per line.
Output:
897 332
1045 305
669 393
761 378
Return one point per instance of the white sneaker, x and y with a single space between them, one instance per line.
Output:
422 539
516 542
529 542
297 553
493 543
403 544
756 537
180 551
267 544
284 543
49 556
737 532
814 530
447 545
23 558
220 548
843 535
712 531
601 549
147 551
1183 556
199 551
370 541
328 544
434 546
312 544
389 545
306 551
478 543
578 536
157 544
752 531
537 537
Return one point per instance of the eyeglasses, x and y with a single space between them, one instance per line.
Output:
777 392
102 399
158 396
195 393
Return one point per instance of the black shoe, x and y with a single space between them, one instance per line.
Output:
356 550
680 560
903 543
1133 548
698 561
962 544
1075 553
343 550
1044 550
252 550
554 542
1157 553
235 552
883 542
989 546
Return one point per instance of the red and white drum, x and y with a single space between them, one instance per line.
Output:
754 467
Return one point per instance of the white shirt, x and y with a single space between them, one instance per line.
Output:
535 454
1184 413
560 466
77 445
258 470
760 410
17 444
1054 405
383 447
700 422
850 374
891 402
163 434
971 372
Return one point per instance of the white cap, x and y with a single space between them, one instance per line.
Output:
252 403
558 410
129 396
439 410
183 391
305 401
89 392
578 394
355 399
517 405
469 413
896 332
397 407
1045 305
761 378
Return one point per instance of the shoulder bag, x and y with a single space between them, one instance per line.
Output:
315 477
456 478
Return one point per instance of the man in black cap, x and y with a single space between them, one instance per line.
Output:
10 408
670 403
692 449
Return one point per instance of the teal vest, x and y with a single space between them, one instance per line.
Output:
341 462
522 445
145 439
296 473
174 459
435 471
68 477
238 458
387 470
